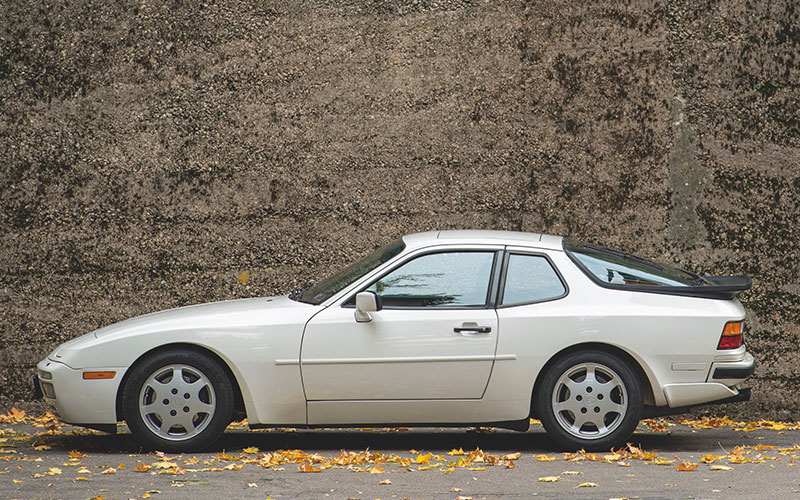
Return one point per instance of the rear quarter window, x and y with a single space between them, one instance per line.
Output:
530 278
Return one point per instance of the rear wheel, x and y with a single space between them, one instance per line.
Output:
178 401
590 400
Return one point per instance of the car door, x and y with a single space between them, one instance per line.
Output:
434 338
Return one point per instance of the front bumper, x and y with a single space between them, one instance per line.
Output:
75 400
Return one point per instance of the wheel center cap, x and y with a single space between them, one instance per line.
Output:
590 400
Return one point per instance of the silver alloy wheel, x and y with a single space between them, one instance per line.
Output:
589 401
177 402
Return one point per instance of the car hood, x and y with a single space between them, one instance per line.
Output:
230 313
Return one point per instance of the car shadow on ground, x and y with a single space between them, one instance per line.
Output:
433 439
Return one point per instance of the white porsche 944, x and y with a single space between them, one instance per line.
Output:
450 328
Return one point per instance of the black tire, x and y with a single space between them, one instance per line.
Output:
178 401
597 412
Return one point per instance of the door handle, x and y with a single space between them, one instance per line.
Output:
472 330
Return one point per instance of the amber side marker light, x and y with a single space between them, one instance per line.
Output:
731 337
98 375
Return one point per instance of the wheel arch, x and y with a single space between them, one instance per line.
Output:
644 379
238 400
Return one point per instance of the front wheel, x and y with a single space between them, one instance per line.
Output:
590 400
178 401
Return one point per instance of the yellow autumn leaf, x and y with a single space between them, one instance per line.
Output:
252 450
164 465
455 452
53 471
307 467
385 481
476 468
110 470
252 485
377 470
720 467
76 454
549 479
512 456
571 472
17 480
424 459
243 277
142 468
685 466
663 461
83 470
41 447
587 485
81 478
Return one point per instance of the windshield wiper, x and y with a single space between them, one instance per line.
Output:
298 292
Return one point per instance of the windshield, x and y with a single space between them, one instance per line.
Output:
328 287
620 268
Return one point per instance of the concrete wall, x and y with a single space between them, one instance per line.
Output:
151 151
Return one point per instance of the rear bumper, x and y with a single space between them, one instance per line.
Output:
733 372
663 411
720 387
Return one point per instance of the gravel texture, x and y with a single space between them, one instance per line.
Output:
152 151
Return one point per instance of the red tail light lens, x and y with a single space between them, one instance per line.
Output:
731 337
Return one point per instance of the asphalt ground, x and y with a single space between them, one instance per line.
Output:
42 459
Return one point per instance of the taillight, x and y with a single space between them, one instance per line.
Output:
731 337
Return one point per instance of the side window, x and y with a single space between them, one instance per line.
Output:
530 278
448 279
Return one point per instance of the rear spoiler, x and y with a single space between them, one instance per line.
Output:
719 287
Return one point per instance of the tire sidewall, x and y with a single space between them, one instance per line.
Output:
618 436
216 375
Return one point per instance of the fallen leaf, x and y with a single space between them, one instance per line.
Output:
587 485
549 479
81 478
512 456
455 452
76 454
385 481
571 472
53 471
424 459
456 490
142 468
14 416
720 467
663 461
110 470
307 467
164 465
251 450
685 466
252 485
377 470
243 277
83 470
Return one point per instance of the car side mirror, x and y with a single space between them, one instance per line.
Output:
367 302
